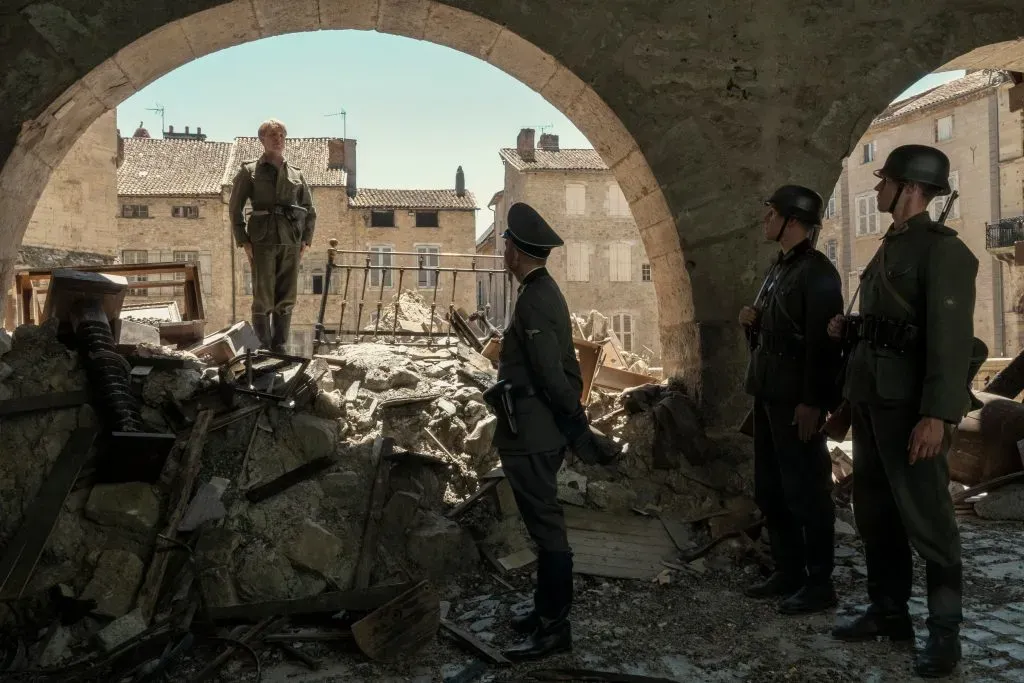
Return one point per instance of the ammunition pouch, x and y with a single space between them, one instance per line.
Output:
880 332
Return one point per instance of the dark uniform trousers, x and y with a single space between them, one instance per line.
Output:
899 505
533 479
274 285
792 487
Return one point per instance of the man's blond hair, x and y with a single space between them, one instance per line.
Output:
269 125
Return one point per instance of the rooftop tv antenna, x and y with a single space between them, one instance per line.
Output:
542 128
344 122
159 109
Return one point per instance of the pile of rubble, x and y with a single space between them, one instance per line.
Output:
289 488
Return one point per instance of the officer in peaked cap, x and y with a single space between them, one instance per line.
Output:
907 384
792 376
540 416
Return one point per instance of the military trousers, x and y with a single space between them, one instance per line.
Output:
532 478
793 489
275 278
898 506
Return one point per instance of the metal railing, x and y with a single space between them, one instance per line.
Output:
1005 233
367 276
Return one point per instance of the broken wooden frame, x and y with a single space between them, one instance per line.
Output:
367 274
190 329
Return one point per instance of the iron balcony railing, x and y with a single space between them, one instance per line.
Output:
1005 233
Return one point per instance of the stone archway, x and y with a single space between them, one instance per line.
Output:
699 112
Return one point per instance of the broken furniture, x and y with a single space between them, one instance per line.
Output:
227 343
985 443
35 284
85 304
258 373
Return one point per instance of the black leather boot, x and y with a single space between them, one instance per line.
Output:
528 623
815 596
551 637
886 620
818 593
942 651
779 584
551 632
261 326
279 337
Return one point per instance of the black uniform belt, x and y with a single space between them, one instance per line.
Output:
781 344
278 210
888 333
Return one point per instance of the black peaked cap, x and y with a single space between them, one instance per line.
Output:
528 230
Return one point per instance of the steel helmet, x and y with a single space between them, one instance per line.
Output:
796 201
919 164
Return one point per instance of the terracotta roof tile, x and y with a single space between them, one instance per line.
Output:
309 154
412 199
960 87
171 167
562 160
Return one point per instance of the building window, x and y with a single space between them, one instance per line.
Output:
317 281
944 128
185 212
427 219
575 199
869 152
481 296
939 203
577 266
617 204
619 265
246 278
382 219
645 272
382 257
831 209
832 252
185 257
867 214
622 325
133 256
428 256
134 211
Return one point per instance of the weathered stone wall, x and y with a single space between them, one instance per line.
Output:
698 111
79 205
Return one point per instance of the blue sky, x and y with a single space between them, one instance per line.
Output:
418 110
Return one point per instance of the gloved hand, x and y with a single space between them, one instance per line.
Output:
594 448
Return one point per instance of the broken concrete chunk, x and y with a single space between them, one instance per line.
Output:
316 435
440 547
6 343
478 444
398 515
218 587
130 506
316 549
844 528
376 379
182 385
6 392
121 630
345 485
5 371
262 574
447 407
1006 504
611 496
215 547
474 411
403 379
117 577
467 394
56 649
330 404
206 505
129 332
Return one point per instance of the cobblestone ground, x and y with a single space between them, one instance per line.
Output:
700 627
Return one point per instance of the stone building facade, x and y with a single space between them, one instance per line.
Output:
603 265
969 119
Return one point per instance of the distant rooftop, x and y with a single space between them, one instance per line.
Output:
370 198
154 167
940 95
562 160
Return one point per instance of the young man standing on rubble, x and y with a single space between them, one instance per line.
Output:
279 232
793 377
537 401
907 385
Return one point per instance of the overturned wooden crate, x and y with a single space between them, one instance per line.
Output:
985 443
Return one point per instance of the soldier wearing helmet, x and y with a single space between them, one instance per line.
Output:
906 383
792 376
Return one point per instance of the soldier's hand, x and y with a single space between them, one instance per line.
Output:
926 439
807 420
302 250
835 326
248 252
748 315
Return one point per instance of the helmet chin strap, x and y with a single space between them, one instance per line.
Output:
782 229
896 197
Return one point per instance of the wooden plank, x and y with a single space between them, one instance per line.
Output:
590 675
28 404
401 627
612 542
617 380
22 553
364 600
464 505
595 520
180 495
290 478
466 638
368 550
616 546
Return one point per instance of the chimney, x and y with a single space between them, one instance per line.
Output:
350 167
548 142
186 130
170 130
199 130
335 153
524 145
460 183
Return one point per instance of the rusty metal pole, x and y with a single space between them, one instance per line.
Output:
380 299
318 334
344 300
398 298
362 299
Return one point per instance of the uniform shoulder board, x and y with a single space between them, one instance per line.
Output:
942 229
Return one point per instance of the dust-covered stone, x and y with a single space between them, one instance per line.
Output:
439 546
117 577
133 506
316 436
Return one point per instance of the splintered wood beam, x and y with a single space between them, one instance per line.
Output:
466 638
401 627
180 495
290 478
368 550
365 600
